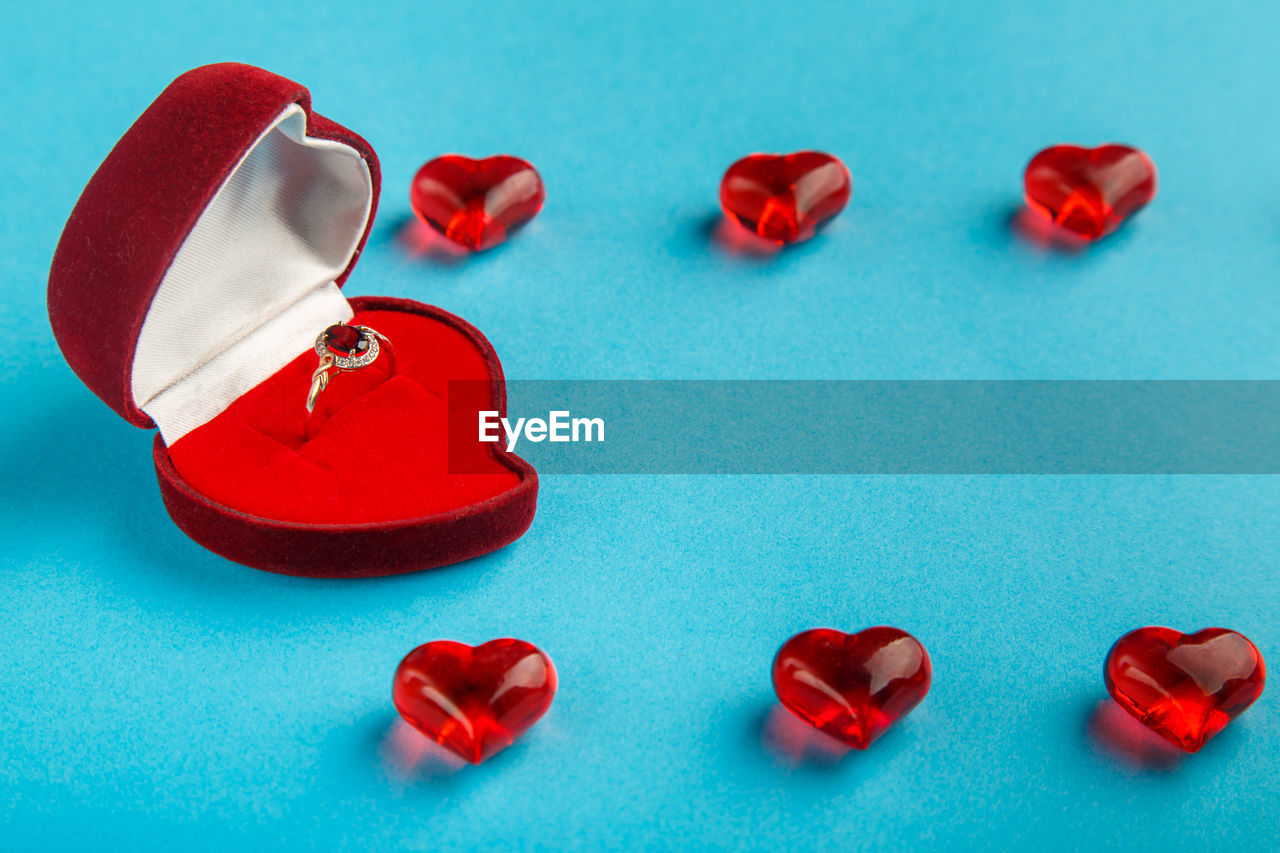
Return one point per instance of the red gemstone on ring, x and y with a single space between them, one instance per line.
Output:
343 340
785 198
853 687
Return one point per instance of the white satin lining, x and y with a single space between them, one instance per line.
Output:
254 281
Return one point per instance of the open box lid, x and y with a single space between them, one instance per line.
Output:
210 245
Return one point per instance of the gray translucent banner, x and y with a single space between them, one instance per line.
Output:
880 427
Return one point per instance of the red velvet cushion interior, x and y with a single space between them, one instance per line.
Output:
380 456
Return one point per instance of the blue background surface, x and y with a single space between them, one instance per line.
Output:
150 691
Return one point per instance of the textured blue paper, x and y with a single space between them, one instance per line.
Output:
154 695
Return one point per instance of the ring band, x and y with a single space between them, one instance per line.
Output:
344 348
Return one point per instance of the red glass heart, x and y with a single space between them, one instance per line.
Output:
852 686
1089 191
474 701
785 197
1186 687
476 203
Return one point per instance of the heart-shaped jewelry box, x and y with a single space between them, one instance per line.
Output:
188 288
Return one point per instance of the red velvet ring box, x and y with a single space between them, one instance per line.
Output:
187 291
